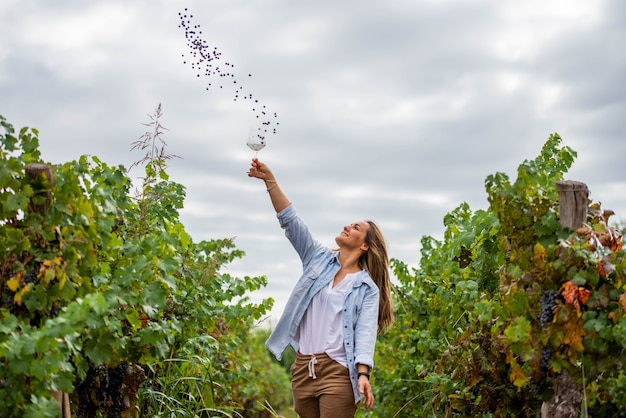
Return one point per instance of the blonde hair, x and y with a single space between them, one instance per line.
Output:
376 262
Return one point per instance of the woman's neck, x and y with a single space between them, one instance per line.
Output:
349 261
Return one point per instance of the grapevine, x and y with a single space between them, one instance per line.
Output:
97 288
510 307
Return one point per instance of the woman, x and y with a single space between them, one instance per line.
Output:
334 313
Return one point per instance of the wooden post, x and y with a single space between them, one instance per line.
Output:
64 402
41 188
573 203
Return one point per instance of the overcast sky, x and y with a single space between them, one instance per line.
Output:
392 111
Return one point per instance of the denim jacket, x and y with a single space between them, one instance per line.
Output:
360 309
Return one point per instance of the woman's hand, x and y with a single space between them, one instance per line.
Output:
261 171
366 390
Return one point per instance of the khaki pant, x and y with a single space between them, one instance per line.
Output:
321 388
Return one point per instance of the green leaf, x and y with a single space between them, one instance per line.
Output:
41 407
98 303
132 316
519 330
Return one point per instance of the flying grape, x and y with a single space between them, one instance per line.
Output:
206 61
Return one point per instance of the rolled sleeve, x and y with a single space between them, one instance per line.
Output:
366 329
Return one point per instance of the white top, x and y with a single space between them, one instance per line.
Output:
321 328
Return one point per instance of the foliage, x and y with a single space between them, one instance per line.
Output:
472 337
238 381
102 290
255 377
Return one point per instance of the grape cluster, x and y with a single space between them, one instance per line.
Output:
6 301
31 277
100 390
206 62
82 395
114 391
548 301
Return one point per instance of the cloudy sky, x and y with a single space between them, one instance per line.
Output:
393 111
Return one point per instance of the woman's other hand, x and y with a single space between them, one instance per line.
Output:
366 390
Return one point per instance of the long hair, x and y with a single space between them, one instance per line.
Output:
376 262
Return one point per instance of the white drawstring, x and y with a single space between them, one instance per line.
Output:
312 364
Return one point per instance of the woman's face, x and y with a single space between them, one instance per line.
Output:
353 236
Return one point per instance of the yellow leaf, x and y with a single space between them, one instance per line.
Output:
13 283
62 279
539 255
518 377
574 333
18 296
48 276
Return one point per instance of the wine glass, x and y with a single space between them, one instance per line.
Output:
256 141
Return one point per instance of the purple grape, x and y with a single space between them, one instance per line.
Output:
203 60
